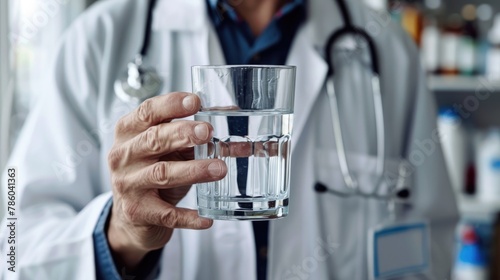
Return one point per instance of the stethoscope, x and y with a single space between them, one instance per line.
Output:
140 83
400 191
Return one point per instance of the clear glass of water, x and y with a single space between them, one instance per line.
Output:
251 110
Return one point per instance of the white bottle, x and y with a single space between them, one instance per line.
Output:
449 45
379 5
454 143
488 167
493 56
430 46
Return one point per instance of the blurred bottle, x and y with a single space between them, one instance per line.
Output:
488 167
484 22
450 42
454 142
470 263
431 36
493 57
467 43
396 11
379 5
412 20
470 180
433 4
430 45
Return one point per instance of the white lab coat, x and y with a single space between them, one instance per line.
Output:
64 179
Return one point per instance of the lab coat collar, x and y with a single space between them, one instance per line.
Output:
175 15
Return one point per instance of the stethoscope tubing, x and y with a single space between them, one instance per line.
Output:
351 183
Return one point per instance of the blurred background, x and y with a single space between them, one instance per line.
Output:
460 50
459 42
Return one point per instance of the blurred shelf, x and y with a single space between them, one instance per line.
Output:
471 207
462 84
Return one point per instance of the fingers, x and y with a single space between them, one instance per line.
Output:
156 110
153 210
172 174
169 137
174 217
149 172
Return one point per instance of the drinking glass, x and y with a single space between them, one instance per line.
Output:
251 110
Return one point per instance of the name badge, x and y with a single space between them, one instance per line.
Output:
399 249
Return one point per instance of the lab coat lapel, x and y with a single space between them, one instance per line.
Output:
190 16
185 15
306 54
311 73
188 39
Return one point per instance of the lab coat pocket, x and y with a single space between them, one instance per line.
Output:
364 170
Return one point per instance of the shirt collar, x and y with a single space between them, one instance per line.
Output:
215 7
213 3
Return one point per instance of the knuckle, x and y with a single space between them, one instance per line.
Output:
151 139
172 97
115 158
194 171
160 174
118 184
144 111
181 134
121 126
131 211
170 219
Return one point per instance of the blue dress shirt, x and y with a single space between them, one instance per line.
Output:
240 46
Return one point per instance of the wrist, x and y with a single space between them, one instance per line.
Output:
125 252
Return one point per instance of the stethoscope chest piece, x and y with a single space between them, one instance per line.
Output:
138 83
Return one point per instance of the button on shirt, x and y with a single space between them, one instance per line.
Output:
240 46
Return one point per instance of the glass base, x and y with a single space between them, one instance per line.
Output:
274 213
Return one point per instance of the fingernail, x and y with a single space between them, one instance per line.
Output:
215 169
201 131
189 102
205 223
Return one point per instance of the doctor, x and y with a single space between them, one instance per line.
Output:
103 183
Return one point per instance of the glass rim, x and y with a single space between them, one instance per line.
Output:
239 66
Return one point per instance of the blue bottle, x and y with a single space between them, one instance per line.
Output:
471 263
